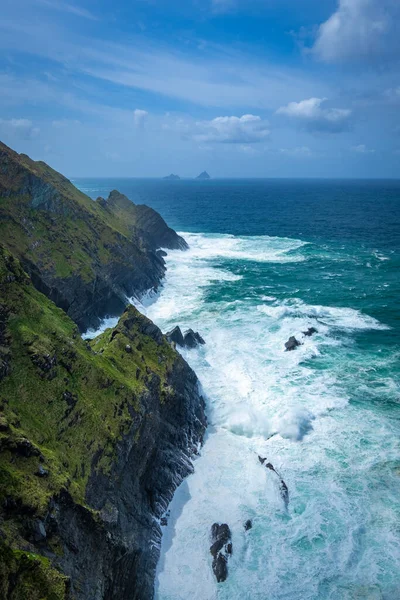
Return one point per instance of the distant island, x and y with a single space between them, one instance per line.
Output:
172 177
203 175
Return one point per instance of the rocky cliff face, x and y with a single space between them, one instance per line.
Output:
87 256
94 439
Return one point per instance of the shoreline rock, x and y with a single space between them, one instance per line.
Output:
221 550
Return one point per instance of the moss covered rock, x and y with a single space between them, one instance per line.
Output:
93 442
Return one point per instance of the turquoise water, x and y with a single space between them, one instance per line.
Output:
267 260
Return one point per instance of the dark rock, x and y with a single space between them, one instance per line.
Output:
248 525
128 349
192 339
172 177
163 521
292 344
283 488
39 531
310 331
221 549
203 175
42 472
175 336
161 253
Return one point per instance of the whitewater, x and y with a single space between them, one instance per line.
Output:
339 538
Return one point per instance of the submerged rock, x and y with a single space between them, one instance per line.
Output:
292 344
221 549
310 331
283 488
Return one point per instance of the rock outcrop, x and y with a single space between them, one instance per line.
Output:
203 175
221 550
189 339
91 456
87 256
292 344
310 331
283 488
172 177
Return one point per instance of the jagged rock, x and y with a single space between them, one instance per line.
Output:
172 177
292 344
283 488
175 336
191 339
310 331
248 525
163 521
221 549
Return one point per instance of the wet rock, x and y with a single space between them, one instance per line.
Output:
192 339
292 344
221 549
283 488
310 331
175 336
248 525
163 521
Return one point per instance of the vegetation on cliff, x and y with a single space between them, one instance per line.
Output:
66 406
95 436
87 256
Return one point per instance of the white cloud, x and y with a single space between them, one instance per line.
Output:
247 129
315 116
359 29
69 8
139 117
214 76
299 151
363 149
19 128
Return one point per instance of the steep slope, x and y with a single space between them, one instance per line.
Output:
94 439
87 256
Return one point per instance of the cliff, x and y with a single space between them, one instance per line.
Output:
86 256
94 439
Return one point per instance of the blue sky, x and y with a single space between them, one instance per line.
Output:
263 88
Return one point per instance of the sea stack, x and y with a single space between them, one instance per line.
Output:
204 175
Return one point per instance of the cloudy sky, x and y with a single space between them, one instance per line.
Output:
263 88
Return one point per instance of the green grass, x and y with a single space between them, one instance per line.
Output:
71 399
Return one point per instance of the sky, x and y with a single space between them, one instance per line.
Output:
240 88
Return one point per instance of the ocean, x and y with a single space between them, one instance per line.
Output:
267 260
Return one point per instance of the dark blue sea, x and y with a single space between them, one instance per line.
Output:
267 260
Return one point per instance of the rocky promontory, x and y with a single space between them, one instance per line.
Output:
95 436
87 256
94 439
